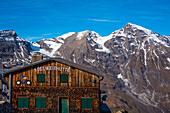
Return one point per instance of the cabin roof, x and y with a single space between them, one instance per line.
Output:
59 60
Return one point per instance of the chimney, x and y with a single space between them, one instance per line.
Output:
36 58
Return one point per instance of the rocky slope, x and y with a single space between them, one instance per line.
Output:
14 50
135 62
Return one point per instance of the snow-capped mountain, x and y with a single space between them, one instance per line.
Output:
134 60
49 47
14 50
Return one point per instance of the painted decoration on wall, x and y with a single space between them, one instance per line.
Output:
22 79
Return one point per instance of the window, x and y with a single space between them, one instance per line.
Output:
41 78
86 103
40 102
23 102
64 78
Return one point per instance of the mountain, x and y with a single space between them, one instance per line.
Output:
14 50
135 62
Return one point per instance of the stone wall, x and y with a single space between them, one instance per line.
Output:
53 94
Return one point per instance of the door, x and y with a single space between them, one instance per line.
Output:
64 105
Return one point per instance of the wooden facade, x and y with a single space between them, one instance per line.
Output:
44 79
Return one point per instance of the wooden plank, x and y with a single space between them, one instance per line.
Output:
59 72
83 74
68 74
90 80
48 74
73 77
53 74
97 81
86 80
93 78
40 72
14 79
70 77
79 77
66 67
44 72
56 74
33 76
29 74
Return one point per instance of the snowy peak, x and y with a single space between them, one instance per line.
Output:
82 34
10 35
14 50
134 34
7 32
133 29
94 34
137 26
66 35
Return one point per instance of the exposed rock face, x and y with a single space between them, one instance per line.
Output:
135 62
14 50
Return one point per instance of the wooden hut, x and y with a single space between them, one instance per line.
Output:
54 85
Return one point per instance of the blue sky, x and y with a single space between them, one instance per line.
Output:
37 19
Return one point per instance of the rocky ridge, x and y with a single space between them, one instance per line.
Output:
135 62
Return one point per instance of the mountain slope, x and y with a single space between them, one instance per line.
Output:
135 62
14 50
133 59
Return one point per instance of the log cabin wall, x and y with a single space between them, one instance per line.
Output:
80 84
52 71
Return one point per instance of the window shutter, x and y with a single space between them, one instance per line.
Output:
41 78
89 103
23 102
83 103
64 78
43 102
38 78
38 102
86 103
20 101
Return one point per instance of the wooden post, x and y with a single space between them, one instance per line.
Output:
10 88
56 74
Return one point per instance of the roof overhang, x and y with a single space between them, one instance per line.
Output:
90 70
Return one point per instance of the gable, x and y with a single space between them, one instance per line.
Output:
37 66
